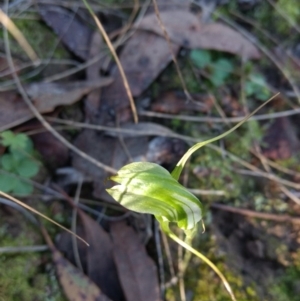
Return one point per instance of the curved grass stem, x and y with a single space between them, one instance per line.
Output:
206 260
179 166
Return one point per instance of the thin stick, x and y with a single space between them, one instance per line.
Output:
269 116
254 214
113 51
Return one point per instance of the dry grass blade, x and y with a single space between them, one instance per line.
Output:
163 28
113 51
13 29
40 214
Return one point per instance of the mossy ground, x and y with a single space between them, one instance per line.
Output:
25 276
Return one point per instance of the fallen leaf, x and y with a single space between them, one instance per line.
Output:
13 110
99 260
137 271
175 102
186 29
232 106
54 153
70 28
76 285
165 150
280 140
144 56
107 150
45 96
141 129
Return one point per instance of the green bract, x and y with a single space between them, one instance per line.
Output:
149 188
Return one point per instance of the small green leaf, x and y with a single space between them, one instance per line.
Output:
201 58
19 155
14 141
249 88
23 188
258 79
149 188
218 78
27 168
7 183
220 72
263 94
223 65
8 162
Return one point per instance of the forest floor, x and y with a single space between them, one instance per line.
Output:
67 122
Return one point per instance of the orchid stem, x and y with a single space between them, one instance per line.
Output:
206 260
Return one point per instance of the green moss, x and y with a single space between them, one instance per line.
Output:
203 284
287 286
41 38
23 275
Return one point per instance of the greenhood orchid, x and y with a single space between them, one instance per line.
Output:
149 188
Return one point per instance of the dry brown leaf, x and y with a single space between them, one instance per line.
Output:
137 271
108 150
144 56
54 153
142 129
70 28
76 285
171 102
45 96
281 140
185 29
165 150
99 258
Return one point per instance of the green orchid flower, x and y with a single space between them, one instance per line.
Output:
149 188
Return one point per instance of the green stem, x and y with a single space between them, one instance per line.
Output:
179 167
205 259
